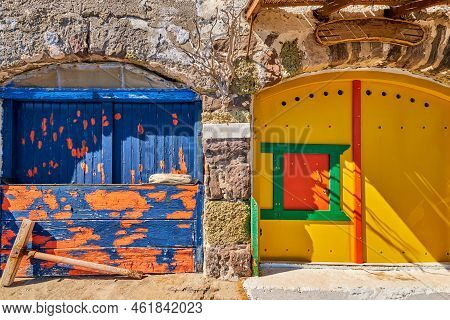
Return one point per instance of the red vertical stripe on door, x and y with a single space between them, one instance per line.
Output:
356 129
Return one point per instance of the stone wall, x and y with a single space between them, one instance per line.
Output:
174 39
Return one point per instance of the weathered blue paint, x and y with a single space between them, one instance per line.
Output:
155 138
85 95
154 229
7 138
90 143
152 201
106 233
199 233
108 218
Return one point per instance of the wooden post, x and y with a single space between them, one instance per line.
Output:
17 252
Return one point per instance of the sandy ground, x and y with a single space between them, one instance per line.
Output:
173 286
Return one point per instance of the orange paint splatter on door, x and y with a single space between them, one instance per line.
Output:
140 129
32 133
51 119
93 121
44 125
85 124
39 145
69 143
105 121
55 136
133 176
61 129
84 167
174 119
117 116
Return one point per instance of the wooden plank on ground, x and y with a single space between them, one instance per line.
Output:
370 30
146 260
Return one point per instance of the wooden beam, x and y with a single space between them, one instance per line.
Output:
254 6
411 6
323 13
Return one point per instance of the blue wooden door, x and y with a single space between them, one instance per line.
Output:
104 143
61 143
62 160
155 138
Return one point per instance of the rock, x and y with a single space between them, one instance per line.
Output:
227 222
168 178
228 262
228 174
226 151
229 183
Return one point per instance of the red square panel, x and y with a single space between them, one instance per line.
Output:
306 181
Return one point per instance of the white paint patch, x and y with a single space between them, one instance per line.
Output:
226 131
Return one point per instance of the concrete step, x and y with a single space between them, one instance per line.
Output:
329 281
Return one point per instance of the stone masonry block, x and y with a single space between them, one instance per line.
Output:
227 222
228 262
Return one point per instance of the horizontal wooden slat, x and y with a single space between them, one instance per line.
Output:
147 260
68 202
86 95
69 234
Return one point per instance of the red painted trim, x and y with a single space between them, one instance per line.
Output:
356 128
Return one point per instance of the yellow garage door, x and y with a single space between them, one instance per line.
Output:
353 166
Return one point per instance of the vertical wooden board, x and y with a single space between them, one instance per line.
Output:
118 140
8 138
107 141
139 131
198 152
199 231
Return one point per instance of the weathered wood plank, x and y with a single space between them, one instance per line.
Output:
68 202
370 30
69 234
147 260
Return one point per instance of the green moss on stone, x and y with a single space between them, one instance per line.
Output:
227 222
246 78
291 57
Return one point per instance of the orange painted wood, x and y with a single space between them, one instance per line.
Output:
356 131
306 181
